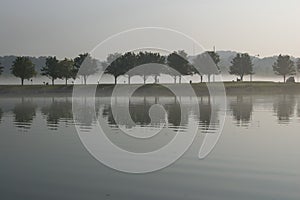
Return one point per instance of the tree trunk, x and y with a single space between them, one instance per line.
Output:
155 79
144 80
242 77
129 80
201 78
66 81
284 78
180 79
52 81
84 79
22 81
116 80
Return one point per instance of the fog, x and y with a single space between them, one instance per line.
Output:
108 79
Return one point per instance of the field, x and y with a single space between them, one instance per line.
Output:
156 90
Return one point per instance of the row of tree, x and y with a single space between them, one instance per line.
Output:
178 62
203 64
283 66
118 65
66 69
69 69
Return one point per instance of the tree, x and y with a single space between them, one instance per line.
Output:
178 61
121 64
206 64
241 65
149 58
127 62
51 69
23 68
87 64
198 66
284 66
298 65
67 69
112 66
1 69
216 59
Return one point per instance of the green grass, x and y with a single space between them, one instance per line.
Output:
200 88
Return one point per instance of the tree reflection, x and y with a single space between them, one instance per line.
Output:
284 107
174 114
242 109
86 115
206 119
119 118
1 113
139 113
24 113
178 113
57 111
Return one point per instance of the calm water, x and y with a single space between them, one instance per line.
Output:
257 157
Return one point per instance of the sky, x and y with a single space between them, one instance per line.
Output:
66 28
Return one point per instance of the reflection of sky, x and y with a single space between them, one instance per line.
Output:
259 162
65 28
245 111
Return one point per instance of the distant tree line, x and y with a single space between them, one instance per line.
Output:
205 64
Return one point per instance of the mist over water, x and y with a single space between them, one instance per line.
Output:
107 79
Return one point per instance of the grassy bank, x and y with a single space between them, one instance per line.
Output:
153 89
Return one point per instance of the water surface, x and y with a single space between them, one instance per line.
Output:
257 156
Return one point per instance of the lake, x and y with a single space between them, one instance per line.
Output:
257 156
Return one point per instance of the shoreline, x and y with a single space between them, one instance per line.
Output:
201 89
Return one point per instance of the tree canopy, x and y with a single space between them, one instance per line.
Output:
150 59
23 68
179 62
67 69
86 64
284 66
213 69
118 64
52 69
206 64
241 65
112 64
